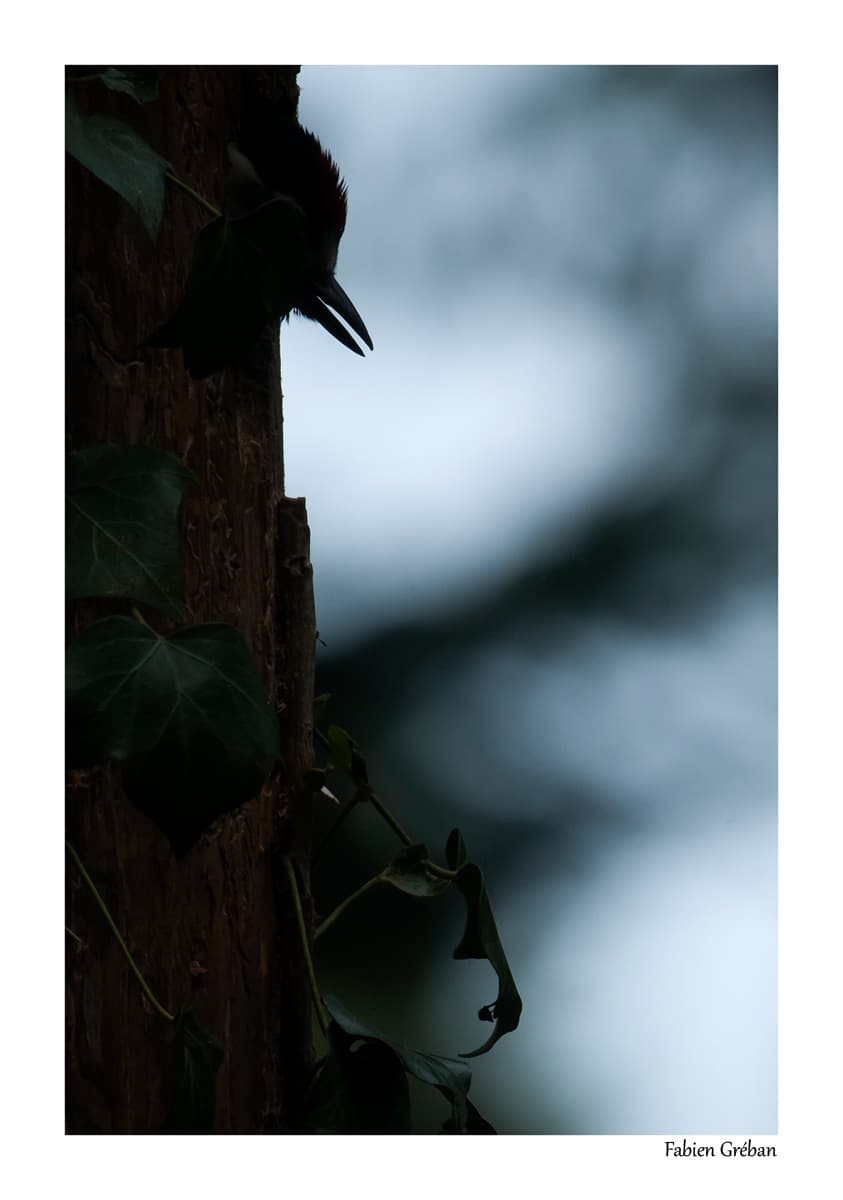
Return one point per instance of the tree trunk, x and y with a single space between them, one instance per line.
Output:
216 930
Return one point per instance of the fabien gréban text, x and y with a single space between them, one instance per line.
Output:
727 1149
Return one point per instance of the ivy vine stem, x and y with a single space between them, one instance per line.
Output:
188 190
344 904
145 988
138 615
321 1014
439 872
324 926
365 793
381 809
341 816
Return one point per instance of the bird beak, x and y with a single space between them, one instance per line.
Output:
332 294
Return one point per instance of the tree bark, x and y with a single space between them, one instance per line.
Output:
215 930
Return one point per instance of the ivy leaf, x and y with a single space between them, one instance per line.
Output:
141 83
187 715
346 757
358 1088
409 873
450 1076
475 1123
119 156
122 536
340 746
195 1058
246 271
455 852
320 707
481 940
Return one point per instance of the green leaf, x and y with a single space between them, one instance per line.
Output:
122 535
449 1075
187 715
195 1058
410 873
141 83
119 156
481 940
246 271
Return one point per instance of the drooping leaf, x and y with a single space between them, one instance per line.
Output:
481 940
449 1075
195 1058
475 1123
246 271
409 872
455 851
358 1088
187 715
141 83
122 536
117 154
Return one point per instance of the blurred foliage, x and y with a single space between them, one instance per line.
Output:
658 556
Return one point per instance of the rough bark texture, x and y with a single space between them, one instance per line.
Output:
215 930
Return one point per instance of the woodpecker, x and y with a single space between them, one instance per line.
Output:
273 252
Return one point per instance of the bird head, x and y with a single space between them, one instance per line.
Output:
284 159
273 252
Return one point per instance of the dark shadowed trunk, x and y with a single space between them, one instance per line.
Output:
215 930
